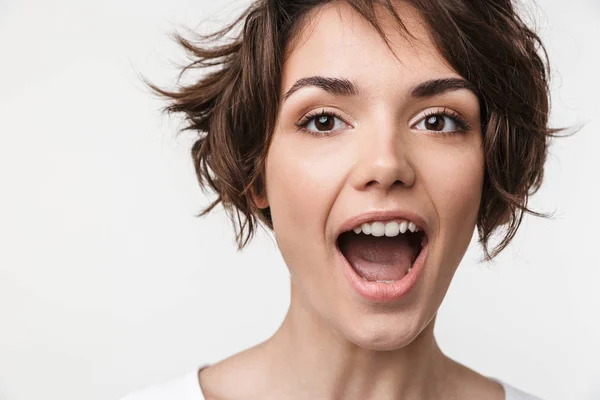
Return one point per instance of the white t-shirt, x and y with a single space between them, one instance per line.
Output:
187 387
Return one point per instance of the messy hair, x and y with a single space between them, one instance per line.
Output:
233 107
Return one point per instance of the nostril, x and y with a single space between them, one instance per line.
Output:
395 183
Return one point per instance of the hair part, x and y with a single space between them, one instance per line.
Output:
234 107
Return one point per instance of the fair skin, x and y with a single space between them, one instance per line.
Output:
380 155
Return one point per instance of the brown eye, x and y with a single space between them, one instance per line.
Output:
442 122
324 122
434 123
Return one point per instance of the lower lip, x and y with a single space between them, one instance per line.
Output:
380 292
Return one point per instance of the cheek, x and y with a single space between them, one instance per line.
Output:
301 180
454 182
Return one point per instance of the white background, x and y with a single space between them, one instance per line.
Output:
108 283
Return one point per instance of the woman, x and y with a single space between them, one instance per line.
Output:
372 138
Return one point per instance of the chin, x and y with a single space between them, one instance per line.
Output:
382 332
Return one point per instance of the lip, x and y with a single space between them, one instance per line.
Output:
382 216
379 292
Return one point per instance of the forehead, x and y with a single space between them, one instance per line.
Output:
338 41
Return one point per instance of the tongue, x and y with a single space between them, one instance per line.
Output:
377 258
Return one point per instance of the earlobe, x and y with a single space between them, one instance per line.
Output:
260 201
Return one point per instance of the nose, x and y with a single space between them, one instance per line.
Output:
384 162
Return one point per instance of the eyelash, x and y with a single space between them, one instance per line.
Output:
462 125
308 117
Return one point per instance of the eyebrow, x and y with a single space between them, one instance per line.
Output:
346 87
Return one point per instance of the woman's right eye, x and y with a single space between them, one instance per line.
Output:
324 123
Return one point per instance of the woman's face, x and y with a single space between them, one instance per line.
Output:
382 152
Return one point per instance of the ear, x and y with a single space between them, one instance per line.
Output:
260 201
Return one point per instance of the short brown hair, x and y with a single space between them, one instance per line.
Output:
234 107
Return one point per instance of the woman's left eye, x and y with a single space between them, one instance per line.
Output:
442 122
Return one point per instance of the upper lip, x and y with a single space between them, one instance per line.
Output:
382 215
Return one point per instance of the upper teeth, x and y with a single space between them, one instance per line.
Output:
390 229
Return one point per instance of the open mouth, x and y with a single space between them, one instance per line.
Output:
382 251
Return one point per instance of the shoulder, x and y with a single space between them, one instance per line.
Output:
184 387
512 393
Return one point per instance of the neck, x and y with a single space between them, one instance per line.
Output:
307 355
